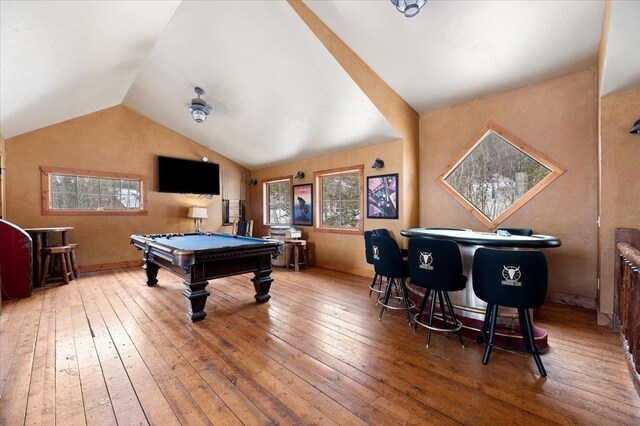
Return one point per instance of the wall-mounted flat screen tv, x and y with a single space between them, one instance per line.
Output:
187 176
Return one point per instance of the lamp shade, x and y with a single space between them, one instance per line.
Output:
636 127
197 213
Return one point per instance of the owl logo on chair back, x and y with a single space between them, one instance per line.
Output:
426 260
511 275
376 253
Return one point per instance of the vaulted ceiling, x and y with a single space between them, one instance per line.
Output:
278 94
64 59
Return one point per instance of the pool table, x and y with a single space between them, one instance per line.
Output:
198 257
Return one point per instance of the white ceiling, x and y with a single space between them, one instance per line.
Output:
454 51
621 71
278 94
64 59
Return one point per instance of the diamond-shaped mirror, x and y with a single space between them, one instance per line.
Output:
498 174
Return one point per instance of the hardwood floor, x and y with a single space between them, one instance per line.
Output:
106 349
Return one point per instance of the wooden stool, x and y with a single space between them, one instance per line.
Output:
298 256
60 255
74 265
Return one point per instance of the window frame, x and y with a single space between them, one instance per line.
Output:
556 170
47 210
317 178
266 216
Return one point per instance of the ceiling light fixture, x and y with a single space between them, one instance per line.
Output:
409 8
636 128
199 109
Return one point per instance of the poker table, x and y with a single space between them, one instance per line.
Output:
466 303
199 257
468 237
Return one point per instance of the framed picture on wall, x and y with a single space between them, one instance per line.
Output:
382 197
303 204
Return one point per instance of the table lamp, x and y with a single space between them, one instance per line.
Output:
197 214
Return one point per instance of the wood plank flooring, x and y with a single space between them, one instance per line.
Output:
106 349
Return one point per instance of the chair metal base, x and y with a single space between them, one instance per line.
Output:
445 307
526 328
398 287
456 327
376 285
506 334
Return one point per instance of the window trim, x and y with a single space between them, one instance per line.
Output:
317 222
555 171
45 177
265 200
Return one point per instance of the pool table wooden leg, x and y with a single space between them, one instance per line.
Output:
262 283
196 297
152 272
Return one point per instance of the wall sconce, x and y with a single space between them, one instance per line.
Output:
253 182
299 176
378 164
197 214
636 128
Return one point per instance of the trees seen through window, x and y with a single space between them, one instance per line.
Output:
277 201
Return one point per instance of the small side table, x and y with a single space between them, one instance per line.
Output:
298 256
40 241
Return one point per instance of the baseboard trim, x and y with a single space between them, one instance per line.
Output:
573 300
344 268
605 320
108 266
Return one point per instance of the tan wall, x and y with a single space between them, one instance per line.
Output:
115 140
558 118
620 191
337 251
396 110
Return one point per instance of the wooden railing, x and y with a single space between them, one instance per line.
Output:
627 296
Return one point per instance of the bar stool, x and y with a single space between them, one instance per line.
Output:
74 265
386 233
298 257
382 232
436 266
61 256
388 263
516 279
376 283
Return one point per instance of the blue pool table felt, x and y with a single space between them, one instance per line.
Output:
204 242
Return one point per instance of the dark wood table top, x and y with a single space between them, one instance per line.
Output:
49 229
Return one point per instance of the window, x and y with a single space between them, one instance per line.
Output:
339 195
88 192
498 175
277 201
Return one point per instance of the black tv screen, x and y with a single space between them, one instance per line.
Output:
187 176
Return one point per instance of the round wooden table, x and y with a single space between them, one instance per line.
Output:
40 238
